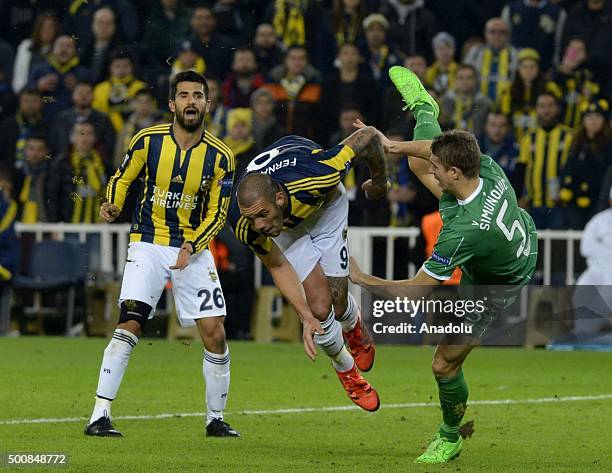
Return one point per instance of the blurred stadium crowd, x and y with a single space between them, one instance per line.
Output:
531 79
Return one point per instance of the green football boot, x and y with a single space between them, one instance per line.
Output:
441 450
408 84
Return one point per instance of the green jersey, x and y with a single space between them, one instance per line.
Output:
488 235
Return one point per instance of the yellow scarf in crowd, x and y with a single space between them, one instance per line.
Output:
288 21
90 181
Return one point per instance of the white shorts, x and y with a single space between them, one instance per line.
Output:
320 238
196 289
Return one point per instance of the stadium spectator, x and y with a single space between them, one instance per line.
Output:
78 20
344 25
603 195
346 84
266 129
113 96
82 99
7 97
378 54
464 106
77 179
440 75
297 93
418 65
236 19
464 19
19 16
187 59
58 75
97 54
296 23
240 83
9 244
15 129
240 138
519 100
267 51
575 81
543 153
536 24
399 194
496 60
345 127
145 114
411 26
32 51
31 181
590 20
589 158
498 142
167 24
209 44
215 119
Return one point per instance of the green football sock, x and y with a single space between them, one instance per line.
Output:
453 394
427 127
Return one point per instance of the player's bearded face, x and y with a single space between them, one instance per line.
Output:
190 105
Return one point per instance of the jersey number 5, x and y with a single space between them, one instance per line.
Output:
509 232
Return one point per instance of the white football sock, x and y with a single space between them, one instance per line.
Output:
351 315
114 363
332 343
216 370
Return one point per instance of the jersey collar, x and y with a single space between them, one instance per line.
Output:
473 195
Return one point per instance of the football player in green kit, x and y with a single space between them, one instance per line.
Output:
484 232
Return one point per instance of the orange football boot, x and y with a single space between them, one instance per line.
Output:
359 390
361 345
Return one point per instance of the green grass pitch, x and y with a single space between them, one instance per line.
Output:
56 378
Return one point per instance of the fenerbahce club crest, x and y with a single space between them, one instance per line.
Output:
205 185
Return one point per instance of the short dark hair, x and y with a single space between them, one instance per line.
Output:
459 149
254 186
121 54
295 47
39 137
469 67
497 112
145 91
30 91
187 76
549 94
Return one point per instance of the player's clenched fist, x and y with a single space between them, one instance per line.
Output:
109 212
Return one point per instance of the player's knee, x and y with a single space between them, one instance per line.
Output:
213 335
443 368
321 308
340 306
133 316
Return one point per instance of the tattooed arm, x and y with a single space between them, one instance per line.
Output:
367 144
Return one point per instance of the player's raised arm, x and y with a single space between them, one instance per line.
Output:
367 144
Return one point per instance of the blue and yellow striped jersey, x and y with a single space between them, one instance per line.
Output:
186 193
306 172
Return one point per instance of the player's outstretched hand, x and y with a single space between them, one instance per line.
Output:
310 327
375 191
109 212
183 257
386 142
354 271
